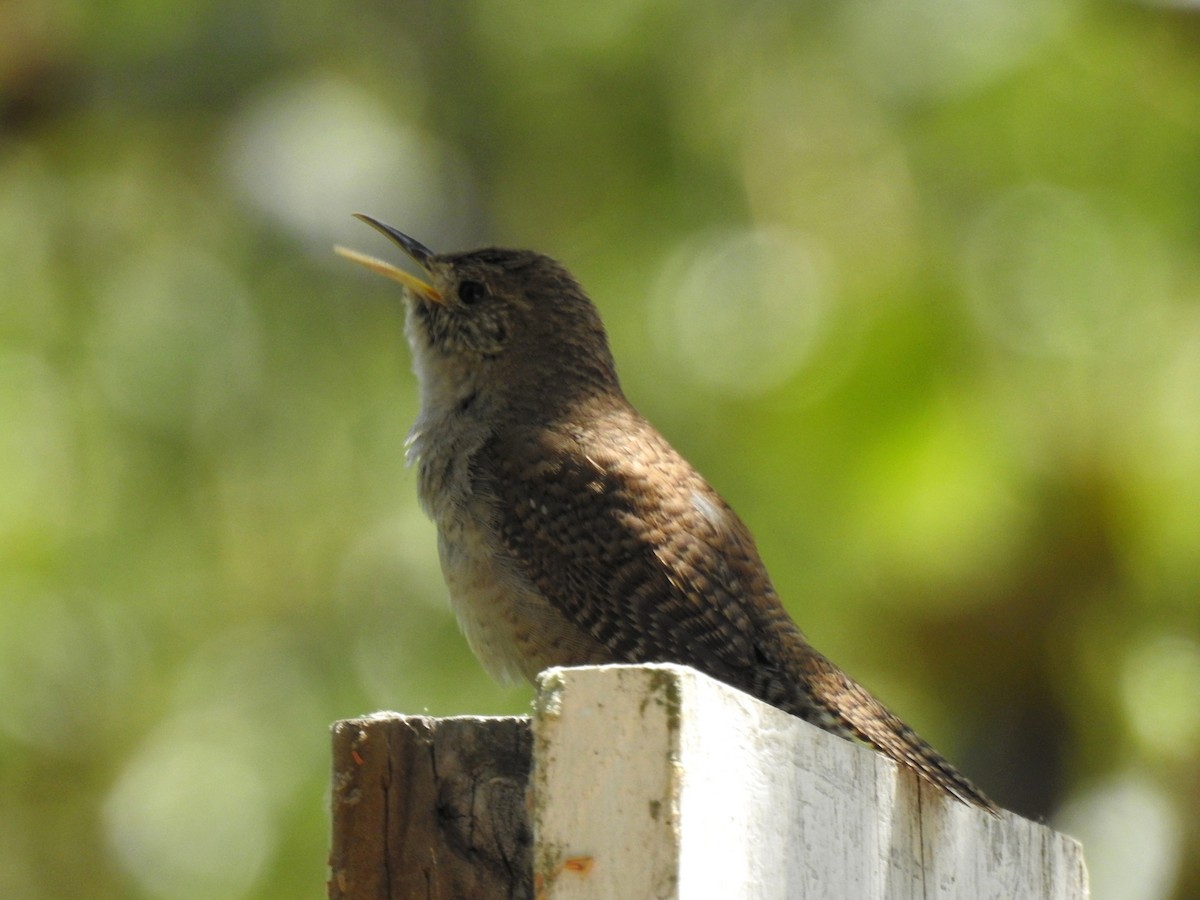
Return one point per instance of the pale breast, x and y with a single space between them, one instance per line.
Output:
511 628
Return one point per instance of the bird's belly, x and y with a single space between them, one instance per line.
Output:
511 628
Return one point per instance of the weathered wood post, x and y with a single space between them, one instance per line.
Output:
430 808
657 781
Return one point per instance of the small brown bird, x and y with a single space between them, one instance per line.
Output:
570 532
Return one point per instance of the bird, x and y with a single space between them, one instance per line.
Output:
570 532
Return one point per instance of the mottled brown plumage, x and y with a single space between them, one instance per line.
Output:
570 531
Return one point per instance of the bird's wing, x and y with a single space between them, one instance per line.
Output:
623 536
627 540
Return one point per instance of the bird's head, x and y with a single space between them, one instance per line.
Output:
509 322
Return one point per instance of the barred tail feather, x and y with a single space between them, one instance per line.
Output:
855 713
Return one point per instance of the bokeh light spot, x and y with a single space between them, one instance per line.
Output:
188 820
742 310
308 153
1131 835
1160 687
937 48
1052 273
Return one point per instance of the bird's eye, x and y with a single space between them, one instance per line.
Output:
471 292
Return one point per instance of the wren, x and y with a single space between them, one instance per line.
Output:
570 532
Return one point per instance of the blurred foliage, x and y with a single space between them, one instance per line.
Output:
916 285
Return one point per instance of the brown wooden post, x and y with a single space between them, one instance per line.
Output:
430 808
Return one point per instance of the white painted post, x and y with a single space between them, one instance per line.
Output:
657 781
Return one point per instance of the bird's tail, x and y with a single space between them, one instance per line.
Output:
846 708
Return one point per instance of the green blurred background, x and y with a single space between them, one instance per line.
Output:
915 284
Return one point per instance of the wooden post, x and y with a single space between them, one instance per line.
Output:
656 781
430 808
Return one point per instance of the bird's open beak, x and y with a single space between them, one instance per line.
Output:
418 252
